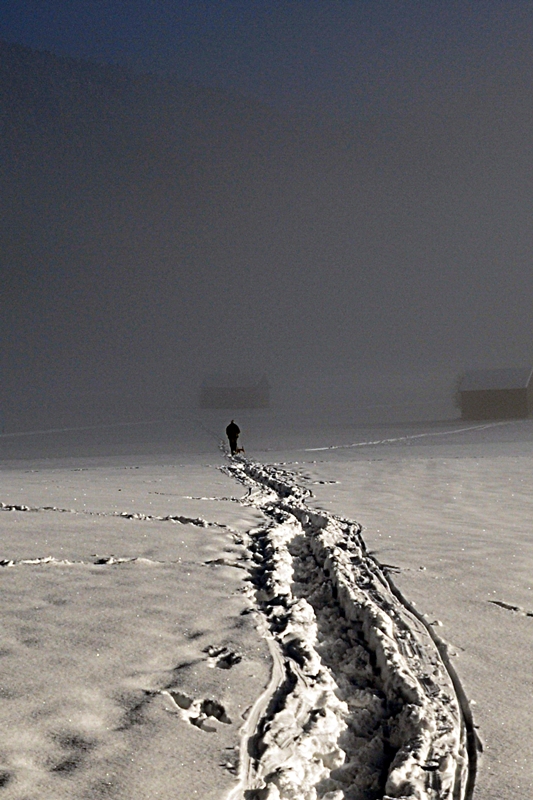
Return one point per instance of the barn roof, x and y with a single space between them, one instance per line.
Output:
490 379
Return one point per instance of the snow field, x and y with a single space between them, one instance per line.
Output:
128 615
452 525
446 515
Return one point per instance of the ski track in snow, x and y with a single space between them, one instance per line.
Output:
198 521
363 702
410 437
65 562
111 560
522 612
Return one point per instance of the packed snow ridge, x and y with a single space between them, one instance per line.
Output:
363 702
198 521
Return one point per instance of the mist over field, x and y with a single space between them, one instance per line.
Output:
154 232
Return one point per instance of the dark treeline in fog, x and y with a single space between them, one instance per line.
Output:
152 233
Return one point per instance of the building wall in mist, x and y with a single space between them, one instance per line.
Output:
496 404
497 394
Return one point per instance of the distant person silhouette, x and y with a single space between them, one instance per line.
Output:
232 432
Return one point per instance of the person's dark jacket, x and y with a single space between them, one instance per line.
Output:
233 430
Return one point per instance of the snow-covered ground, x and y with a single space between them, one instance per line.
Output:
172 630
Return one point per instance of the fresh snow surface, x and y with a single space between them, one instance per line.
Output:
179 624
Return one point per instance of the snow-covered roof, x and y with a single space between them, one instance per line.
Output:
483 379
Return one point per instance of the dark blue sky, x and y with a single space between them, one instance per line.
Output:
334 56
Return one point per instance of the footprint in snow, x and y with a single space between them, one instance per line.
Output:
222 657
198 712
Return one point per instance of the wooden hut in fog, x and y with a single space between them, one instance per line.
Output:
234 393
496 394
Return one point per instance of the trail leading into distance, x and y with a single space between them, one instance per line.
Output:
409 437
362 702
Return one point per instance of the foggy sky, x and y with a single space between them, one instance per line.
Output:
364 204
336 57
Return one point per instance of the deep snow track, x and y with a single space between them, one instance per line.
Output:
363 703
